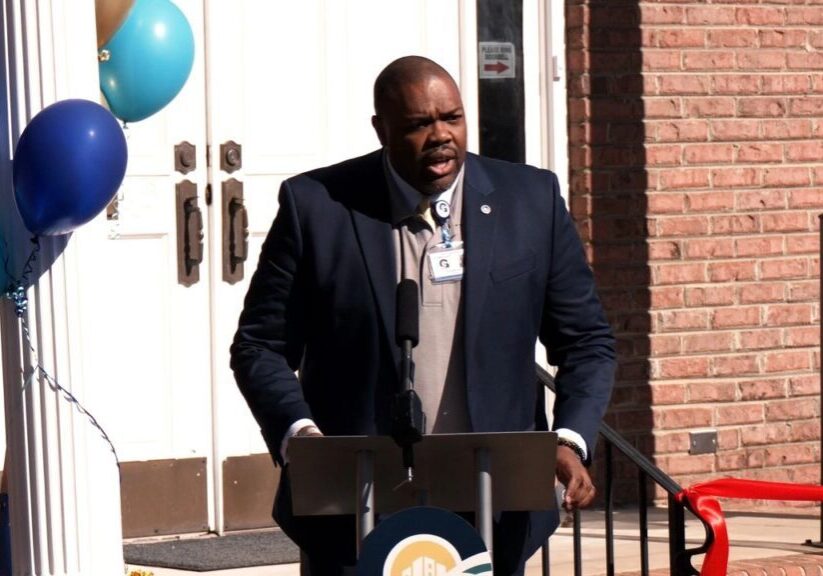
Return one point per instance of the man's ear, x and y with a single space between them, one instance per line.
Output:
377 124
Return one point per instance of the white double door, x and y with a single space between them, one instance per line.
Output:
290 82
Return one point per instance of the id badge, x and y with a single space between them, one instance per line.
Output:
446 263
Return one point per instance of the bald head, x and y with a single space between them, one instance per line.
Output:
419 120
402 72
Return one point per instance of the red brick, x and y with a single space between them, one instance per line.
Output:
782 38
760 339
664 155
660 60
679 274
803 336
804 151
694 367
803 244
681 38
674 226
791 454
736 224
683 179
793 409
808 106
683 131
805 431
760 152
804 291
732 38
776 269
709 248
762 107
734 130
788 314
736 317
709 296
674 418
762 389
708 153
762 292
734 177
791 128
714 201
671 442
711 16
737 365
804 385
708 60
661 14
731 271
761 16
806 198
732 460
794 176
785 222
665 297
664 394
760 199
787 84
761 60
787 361
740 414
736 84
663 250
662 108
803 61
764 434
728 439
759 246
663 344
709 342
681 320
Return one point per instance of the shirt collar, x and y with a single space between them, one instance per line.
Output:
403 197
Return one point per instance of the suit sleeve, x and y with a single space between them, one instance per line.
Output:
575 332
268 344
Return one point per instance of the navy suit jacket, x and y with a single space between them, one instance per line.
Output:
322 302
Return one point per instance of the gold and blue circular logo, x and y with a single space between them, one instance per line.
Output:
424 541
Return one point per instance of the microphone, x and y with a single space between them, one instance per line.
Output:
408 421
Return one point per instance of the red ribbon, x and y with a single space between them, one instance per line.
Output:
701 500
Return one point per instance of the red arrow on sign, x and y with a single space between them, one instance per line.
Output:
497 67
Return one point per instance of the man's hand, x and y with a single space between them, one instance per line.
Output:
310 430
573 475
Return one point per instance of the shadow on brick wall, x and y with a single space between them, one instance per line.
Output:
608 184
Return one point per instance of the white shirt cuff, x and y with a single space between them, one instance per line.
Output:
573 436
302 423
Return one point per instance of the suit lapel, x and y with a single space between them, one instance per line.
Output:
479 227
374 234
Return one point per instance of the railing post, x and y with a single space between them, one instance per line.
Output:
677 536
609 510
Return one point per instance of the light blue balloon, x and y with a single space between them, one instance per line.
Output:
149 60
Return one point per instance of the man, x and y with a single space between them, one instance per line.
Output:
322 301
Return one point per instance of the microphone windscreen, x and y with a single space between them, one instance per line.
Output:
407 326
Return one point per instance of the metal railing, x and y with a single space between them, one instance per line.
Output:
680 558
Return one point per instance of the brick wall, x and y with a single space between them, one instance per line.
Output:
696 147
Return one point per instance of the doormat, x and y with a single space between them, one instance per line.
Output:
258 548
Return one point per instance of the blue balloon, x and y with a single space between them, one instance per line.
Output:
68 164
149 60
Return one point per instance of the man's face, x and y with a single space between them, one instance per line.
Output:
424 132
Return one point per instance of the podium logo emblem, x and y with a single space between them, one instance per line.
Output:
424 541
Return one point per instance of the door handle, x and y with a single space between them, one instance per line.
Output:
189 234
235 231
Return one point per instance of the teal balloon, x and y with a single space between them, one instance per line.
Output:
149 60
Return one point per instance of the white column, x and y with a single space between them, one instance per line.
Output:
64 493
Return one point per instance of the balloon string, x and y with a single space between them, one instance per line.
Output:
16 292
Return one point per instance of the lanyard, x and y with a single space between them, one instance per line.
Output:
441 212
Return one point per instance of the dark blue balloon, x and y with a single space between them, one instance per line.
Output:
68 164
149 60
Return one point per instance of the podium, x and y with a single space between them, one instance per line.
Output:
481 472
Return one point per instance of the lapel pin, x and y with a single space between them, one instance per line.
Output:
486 209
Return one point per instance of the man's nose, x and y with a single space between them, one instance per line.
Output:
440 132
